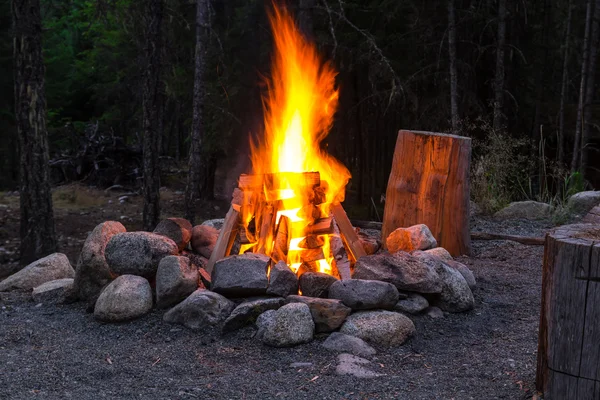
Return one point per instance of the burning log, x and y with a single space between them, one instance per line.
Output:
265 240
312 255
347 232
311 242
322 226
429 184
282 239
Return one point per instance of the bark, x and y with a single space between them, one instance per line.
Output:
453 71
582 87
590 86
563 90
499 79
151 104
38 237
195 166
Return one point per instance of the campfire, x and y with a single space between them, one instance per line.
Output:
289 208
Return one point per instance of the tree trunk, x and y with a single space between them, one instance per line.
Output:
590 89
195 167
429 184
582 87
569 334
151 114
499 80
453 73
38 237
563 90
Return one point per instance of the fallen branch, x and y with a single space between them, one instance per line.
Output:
532 241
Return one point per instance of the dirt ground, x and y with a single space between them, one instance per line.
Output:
61 352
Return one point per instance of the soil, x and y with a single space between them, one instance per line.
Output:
59 352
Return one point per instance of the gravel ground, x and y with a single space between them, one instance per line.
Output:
60 352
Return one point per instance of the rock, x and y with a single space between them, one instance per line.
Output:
348 344
92 272
204 238
464 271
402 270
301 365
434 312
176 279
316 284
361 294
241 275
416 237
196 259
200 310
327 314
581 203
525 210
179 230
247 312
52 267
125 298
214 223
138 253
456 296
415 304
349 364
370 240
438 252
52 292
383 328
288 326
282 280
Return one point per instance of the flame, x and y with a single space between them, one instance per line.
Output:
299 108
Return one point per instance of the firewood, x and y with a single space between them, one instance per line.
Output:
265 239
532 241
279 180
225 239
309 212
340 256
282 239
347 232
311 255
321 226
246 237
311 242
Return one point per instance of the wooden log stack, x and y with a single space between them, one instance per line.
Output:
568 364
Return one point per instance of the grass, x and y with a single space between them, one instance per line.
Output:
76 196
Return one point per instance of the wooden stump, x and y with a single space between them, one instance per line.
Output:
568 364
429 184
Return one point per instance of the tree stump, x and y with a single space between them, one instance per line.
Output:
568 364
429 184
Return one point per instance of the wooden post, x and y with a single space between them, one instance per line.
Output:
568 364
429 184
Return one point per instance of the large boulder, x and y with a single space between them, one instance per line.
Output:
200 310
327 314
383 328
176 279
416 237
52 267
282 280
247 312
138 253
525 210
52 292
414 304
361 294
581 203
464 271
179 230
438 252
125 298
92 272
241 275
402 270
316 284
288 326
204 238
456 296
343 343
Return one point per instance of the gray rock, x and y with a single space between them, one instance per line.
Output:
361 294
525 210
456 296
402 270
215 223
439 252
328 314
52 292
204 238
464 271
179 230
247 312
282 280
176 279
434 312
349 364
316 284
414 304
343 343
52 267
416 237
241 275
200 310
92 272
370 240
288 326
125 298
581 203
383 328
